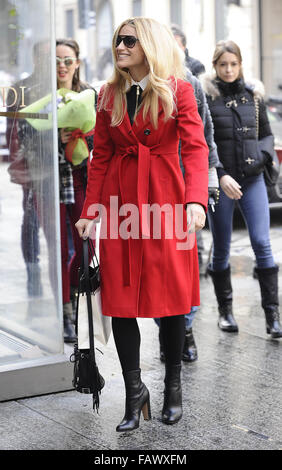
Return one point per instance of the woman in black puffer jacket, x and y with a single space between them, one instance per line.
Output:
244 142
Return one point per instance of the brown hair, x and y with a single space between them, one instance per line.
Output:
76 83
227 46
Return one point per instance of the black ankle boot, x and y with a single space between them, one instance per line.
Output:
172 407
137 400
190 353
223 291
268 281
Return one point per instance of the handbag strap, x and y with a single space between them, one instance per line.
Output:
93 252
88 296
256 100
84 263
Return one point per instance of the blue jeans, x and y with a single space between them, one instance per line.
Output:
255 210
188 318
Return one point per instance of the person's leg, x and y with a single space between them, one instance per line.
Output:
74 212
220 223
190 353
64 254
200 248
30 243
254 206
172 331
255 210
189 317
127 339
69 332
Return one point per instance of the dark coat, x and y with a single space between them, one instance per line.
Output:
144 276
233 111
205 115
193 64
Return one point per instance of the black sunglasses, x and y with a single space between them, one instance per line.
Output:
128 41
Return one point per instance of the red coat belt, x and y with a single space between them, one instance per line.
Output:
143 154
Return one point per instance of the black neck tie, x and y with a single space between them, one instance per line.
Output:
133 97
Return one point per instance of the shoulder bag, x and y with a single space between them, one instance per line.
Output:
271 166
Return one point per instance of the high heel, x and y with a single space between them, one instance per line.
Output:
137 400
146 410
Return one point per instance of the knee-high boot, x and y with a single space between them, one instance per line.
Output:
137 400
223 291
268 281
172 407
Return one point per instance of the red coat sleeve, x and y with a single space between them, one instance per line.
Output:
194 149
102 154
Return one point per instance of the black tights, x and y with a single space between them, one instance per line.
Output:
127 339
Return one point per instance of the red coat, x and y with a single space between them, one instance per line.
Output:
141 276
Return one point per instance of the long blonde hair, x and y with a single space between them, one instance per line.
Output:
165 60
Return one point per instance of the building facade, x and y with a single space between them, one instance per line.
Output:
255 25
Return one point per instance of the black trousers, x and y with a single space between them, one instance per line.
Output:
127 339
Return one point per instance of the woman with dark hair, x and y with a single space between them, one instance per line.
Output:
72 182
143 111
244 143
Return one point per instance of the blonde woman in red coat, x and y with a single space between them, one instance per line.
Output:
147 268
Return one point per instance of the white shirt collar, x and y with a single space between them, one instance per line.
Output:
143 83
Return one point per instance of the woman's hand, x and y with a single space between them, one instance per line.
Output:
196 217
84 228
230 187
65 135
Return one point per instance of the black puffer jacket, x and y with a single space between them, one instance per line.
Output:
232 106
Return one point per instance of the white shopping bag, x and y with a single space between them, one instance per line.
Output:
101 323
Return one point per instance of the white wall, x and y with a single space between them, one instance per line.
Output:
199 27
122 9
157 9
240 30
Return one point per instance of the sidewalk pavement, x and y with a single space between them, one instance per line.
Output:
232 396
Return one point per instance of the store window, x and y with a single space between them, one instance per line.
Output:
30 303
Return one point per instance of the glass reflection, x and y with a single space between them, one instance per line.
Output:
29 325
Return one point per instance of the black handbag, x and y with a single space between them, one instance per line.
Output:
86 375
271 168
